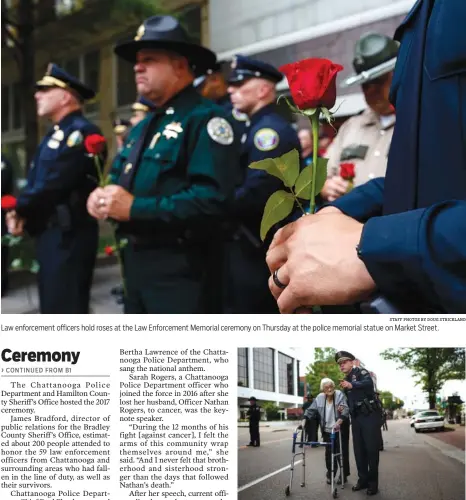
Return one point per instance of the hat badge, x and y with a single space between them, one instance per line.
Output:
140 32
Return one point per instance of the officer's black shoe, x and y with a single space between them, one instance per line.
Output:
250 444
372 491
359 486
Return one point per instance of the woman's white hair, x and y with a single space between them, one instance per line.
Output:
326 381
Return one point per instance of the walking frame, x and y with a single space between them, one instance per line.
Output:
335 457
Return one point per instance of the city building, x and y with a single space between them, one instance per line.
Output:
270 375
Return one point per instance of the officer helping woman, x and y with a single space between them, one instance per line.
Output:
330 408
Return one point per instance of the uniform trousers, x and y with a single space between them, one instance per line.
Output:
254 433
66 260
366 444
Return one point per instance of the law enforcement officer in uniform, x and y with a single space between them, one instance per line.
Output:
7 188
52 207
140 108
364 139
174 182
365 421
310 426
254 416
269 135
401 237
120 129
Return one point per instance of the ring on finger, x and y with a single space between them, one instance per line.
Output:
277 281
101 202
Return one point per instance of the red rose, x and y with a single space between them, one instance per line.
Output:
8 202
108 250
347 171
312 82
95 144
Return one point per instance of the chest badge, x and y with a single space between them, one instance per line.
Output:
53 143
220 131
128 167
58 135
172 130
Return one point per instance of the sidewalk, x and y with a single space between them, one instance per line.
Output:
453 437
450 442
273 426
22 298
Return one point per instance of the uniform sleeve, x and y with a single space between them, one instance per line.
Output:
212 174
363 202
424 249
312 412
56 179
259 185
365 381
344 403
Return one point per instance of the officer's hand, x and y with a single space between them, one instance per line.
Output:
118 202
96 203
334 187
346 385
316 259
14 223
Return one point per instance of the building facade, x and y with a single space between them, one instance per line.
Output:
270 375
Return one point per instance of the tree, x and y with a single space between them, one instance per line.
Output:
389 401
21 22
324 366
432 366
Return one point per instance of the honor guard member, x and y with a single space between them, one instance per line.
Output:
269 135
214 86
365 421
7 188
52 207
254 416
365 138
403 236
140 108
174 185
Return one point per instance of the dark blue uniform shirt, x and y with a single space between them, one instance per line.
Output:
363 387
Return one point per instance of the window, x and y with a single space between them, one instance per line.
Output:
285 374
6 108
126 88
263 369
243 367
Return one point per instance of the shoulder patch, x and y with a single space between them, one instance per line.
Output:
237 115
364 372
220 131
74 139
266 139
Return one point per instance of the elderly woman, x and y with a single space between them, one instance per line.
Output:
331 409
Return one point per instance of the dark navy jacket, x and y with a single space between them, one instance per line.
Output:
414 240
269 135
363 387
61 174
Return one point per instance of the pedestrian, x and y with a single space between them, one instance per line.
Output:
254 416
7 189
52 207
365 421
364 139
173 187
252 88
310 428
331 409
402 236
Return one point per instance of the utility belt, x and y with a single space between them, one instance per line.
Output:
63 217
366 407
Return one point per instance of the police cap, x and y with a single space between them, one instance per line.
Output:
58 77
343 356
120 126
143 104
243 68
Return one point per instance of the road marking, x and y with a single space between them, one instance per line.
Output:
263 478
264 443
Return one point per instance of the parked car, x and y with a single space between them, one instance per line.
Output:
412 419
430 419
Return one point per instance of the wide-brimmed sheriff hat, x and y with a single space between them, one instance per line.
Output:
143 104
374 56
58 77
341 356
166 33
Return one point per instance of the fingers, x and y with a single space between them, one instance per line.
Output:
96 203
282 277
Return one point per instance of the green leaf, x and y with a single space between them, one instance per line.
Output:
34 269
303 184
278 206
16 264
285 168
310 112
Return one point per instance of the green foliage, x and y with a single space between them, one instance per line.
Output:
285 167
389 401
22 253
278 207
304 181
432 366
271 410
137 8
324 366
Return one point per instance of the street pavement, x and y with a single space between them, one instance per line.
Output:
411 468
22 296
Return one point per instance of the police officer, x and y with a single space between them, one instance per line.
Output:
365 138
175 182
254 416
52 207
269 135
311 424
365 421
402 236
120 129
7 188
140 108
